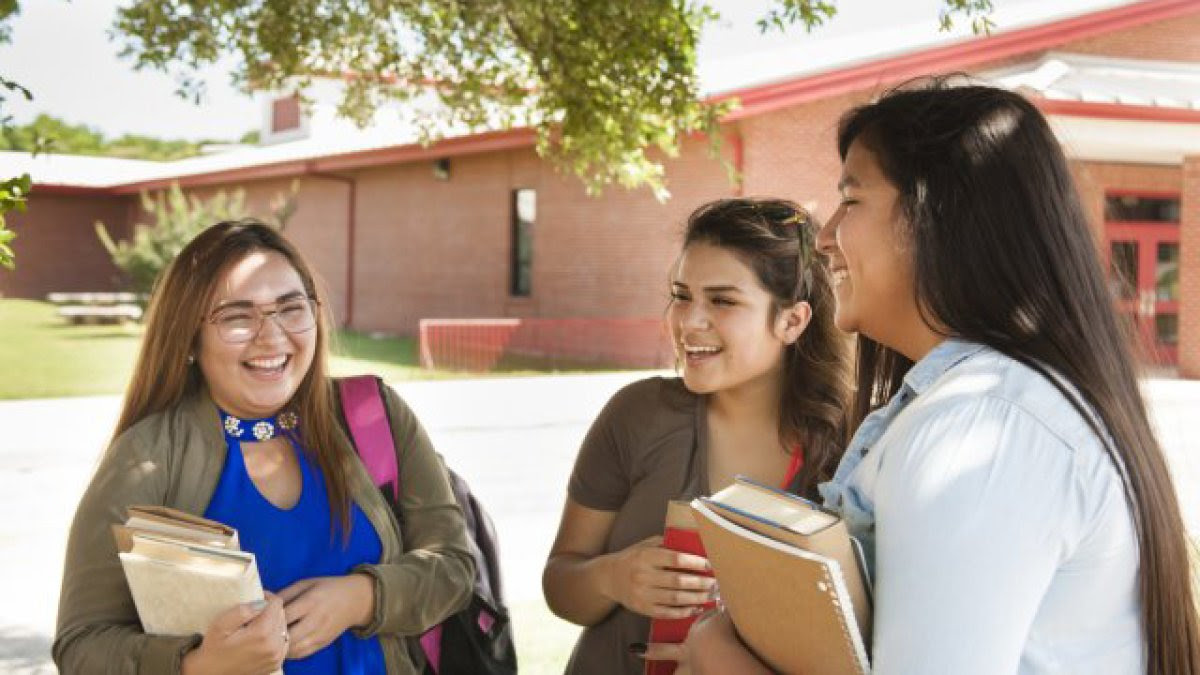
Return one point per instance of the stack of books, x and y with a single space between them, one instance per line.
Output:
791 578
183 570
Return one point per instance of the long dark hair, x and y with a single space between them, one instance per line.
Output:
1003 256
179 304
775 238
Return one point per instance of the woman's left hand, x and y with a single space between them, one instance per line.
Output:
713 646
320 609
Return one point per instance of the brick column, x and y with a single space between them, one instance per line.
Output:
1189 271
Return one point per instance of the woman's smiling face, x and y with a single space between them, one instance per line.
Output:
870 261
258 377
725 327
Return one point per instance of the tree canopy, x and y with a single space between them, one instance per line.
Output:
47 133
602 83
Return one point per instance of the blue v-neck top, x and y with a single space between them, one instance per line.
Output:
295 544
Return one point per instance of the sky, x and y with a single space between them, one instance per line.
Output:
62 51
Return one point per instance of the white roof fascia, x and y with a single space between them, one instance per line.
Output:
1126 141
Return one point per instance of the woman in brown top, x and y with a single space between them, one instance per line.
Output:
763 393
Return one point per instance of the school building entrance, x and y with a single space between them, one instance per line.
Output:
1142 233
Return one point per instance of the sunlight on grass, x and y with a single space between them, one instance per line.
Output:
42 355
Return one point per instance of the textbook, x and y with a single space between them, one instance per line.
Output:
791 578
679 534
183 570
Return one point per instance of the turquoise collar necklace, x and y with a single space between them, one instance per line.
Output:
263 429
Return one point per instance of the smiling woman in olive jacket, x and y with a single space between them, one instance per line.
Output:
234 352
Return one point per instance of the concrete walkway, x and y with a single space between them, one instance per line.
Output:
513 439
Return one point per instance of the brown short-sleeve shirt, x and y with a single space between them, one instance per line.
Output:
645 448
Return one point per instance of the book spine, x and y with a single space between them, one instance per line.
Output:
674 631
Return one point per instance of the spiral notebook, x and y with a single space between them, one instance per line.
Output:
790 578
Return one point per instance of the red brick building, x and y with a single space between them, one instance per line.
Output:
479 226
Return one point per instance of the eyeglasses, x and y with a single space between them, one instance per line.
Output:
242 323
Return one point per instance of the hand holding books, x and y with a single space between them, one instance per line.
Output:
679 535
660 583
188 575
248 638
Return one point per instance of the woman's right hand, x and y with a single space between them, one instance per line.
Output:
658 582
245 640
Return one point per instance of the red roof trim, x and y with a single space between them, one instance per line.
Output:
41 189
1117 111
770 97
261 172
451 147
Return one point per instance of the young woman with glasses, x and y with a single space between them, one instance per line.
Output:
231 414
762 392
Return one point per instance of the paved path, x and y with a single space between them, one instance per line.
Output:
513 439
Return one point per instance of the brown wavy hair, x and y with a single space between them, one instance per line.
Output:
776 239
1004 256
181 300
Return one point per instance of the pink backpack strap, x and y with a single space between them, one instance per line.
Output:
362 403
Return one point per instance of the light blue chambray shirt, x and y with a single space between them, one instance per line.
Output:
994 524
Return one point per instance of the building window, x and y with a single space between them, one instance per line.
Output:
1167 327
1141 209
285 114
524 215
1166 275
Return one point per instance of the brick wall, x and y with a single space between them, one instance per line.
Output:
611 255
1095 178
792 153
1189 272
1173 40
57 248
431 248
318 227
440 249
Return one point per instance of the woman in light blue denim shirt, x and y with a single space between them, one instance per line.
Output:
1016 508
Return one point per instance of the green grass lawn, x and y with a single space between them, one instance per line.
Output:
41 355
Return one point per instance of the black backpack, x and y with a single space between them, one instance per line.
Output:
476 640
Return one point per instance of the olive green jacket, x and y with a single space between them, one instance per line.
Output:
175 458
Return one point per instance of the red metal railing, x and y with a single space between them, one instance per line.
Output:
486 344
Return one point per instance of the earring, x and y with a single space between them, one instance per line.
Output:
191 359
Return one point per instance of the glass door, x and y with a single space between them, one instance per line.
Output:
1142 233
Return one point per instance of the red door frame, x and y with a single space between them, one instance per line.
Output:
1145 306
